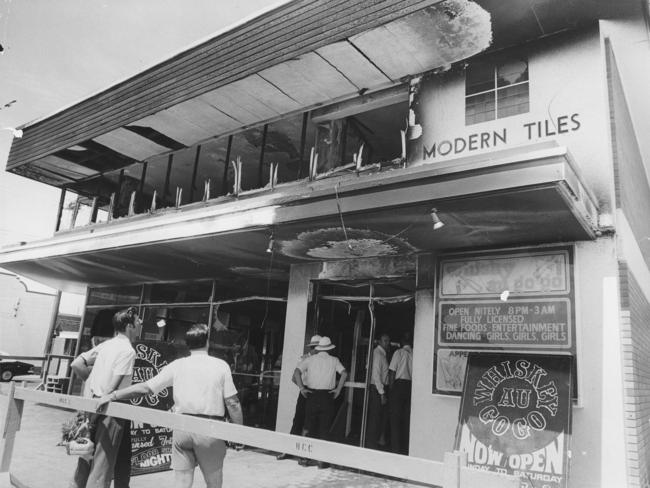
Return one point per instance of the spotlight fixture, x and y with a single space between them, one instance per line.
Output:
269 248
437 223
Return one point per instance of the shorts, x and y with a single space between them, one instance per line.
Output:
189 449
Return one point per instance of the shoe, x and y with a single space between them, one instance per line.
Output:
322 465
282 456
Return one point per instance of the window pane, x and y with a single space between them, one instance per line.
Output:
212 162
181 174
124 295
170 324
155 181
354 137
380 129
283 146
479 77
511 72
130 182
178 292
512 100
247 146
329 143
479 108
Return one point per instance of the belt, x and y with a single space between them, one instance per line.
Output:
203 416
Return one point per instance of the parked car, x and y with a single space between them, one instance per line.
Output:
10 367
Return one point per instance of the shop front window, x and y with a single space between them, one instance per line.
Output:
169 323
248 335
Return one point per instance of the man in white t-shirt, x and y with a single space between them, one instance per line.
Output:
105 368
377 425
203 387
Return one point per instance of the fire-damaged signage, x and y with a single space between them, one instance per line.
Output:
515 416
151 445
517 301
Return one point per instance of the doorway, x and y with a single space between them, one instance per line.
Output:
354 315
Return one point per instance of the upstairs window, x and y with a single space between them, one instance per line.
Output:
495 89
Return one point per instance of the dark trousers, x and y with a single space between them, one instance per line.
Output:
112 456
377 423
399 408
319 414
299 416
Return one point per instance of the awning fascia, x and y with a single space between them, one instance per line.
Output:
521 168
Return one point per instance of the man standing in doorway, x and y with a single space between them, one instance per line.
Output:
378 398
399 404
105 368
320 389
297 427
203 387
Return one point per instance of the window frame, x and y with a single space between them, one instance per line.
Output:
495 63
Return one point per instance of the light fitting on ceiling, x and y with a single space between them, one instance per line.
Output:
437 223
269 248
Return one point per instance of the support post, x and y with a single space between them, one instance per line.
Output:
451 474
10 425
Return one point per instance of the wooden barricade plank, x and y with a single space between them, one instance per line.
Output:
387 464
10 425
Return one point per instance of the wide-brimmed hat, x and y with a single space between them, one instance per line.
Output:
314 340
325 344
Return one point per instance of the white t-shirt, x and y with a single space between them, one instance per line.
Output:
112 358
402 363
200 382
379 376
319 371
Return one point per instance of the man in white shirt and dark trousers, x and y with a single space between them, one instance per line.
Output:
378 399
297 427
203 387
320 389
105 368
399 403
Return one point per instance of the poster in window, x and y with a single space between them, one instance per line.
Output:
515 416
151 445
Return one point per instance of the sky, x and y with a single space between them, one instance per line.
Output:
58 52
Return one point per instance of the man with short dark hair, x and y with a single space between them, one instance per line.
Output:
106 367
378 398
202 385
399 404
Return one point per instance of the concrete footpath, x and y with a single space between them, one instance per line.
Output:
38 463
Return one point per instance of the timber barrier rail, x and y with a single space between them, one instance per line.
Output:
452 473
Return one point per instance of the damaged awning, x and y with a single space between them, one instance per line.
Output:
296 57
530 195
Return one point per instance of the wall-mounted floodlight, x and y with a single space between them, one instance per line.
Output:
437 223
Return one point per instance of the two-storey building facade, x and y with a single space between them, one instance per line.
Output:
469 173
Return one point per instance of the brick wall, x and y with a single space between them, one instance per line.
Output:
635 332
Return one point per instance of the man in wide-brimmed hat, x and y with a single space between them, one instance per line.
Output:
297 428
320 388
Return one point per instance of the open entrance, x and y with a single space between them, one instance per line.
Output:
355 315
